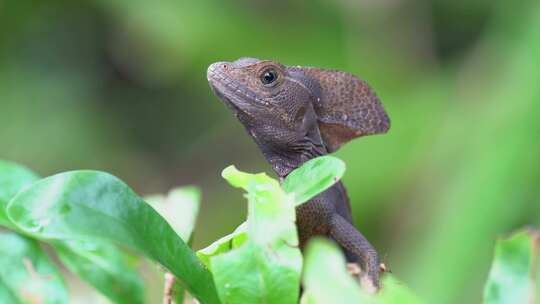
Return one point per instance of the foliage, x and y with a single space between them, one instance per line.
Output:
90 218
266 269
75 213
27 275
513 273
308 180
324 260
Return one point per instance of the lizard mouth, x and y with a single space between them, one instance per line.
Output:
226 100
228 92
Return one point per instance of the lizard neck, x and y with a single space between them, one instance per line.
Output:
285 161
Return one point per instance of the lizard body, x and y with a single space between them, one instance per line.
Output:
295 114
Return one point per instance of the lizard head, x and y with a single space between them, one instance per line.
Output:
261 93
296 113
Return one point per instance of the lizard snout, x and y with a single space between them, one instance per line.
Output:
216 68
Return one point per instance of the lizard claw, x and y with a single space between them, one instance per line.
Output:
366 282
384 268
353 269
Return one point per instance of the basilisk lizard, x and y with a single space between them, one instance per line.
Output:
295 114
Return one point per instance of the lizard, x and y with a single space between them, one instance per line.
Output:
298 113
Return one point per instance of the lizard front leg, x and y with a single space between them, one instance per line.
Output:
352 240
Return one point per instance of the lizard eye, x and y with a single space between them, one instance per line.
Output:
268 76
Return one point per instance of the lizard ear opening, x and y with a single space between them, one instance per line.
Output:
347 108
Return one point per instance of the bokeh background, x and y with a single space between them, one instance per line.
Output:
120 86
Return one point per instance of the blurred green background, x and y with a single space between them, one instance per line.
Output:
120 86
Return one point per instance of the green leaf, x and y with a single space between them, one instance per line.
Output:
266 268
13 178
245 180
105 267
224 244
179 208
27 273
100 265
327 281
7 296
84 205
325 277
512 275
394 291
313 177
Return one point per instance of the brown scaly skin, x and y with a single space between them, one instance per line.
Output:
295 114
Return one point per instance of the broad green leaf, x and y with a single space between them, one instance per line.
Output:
327 281
179 208
105 267
7 296
224 244
266 268
27 273
101 268
512 274
13 178
393 291
313 177
325 277
85 205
